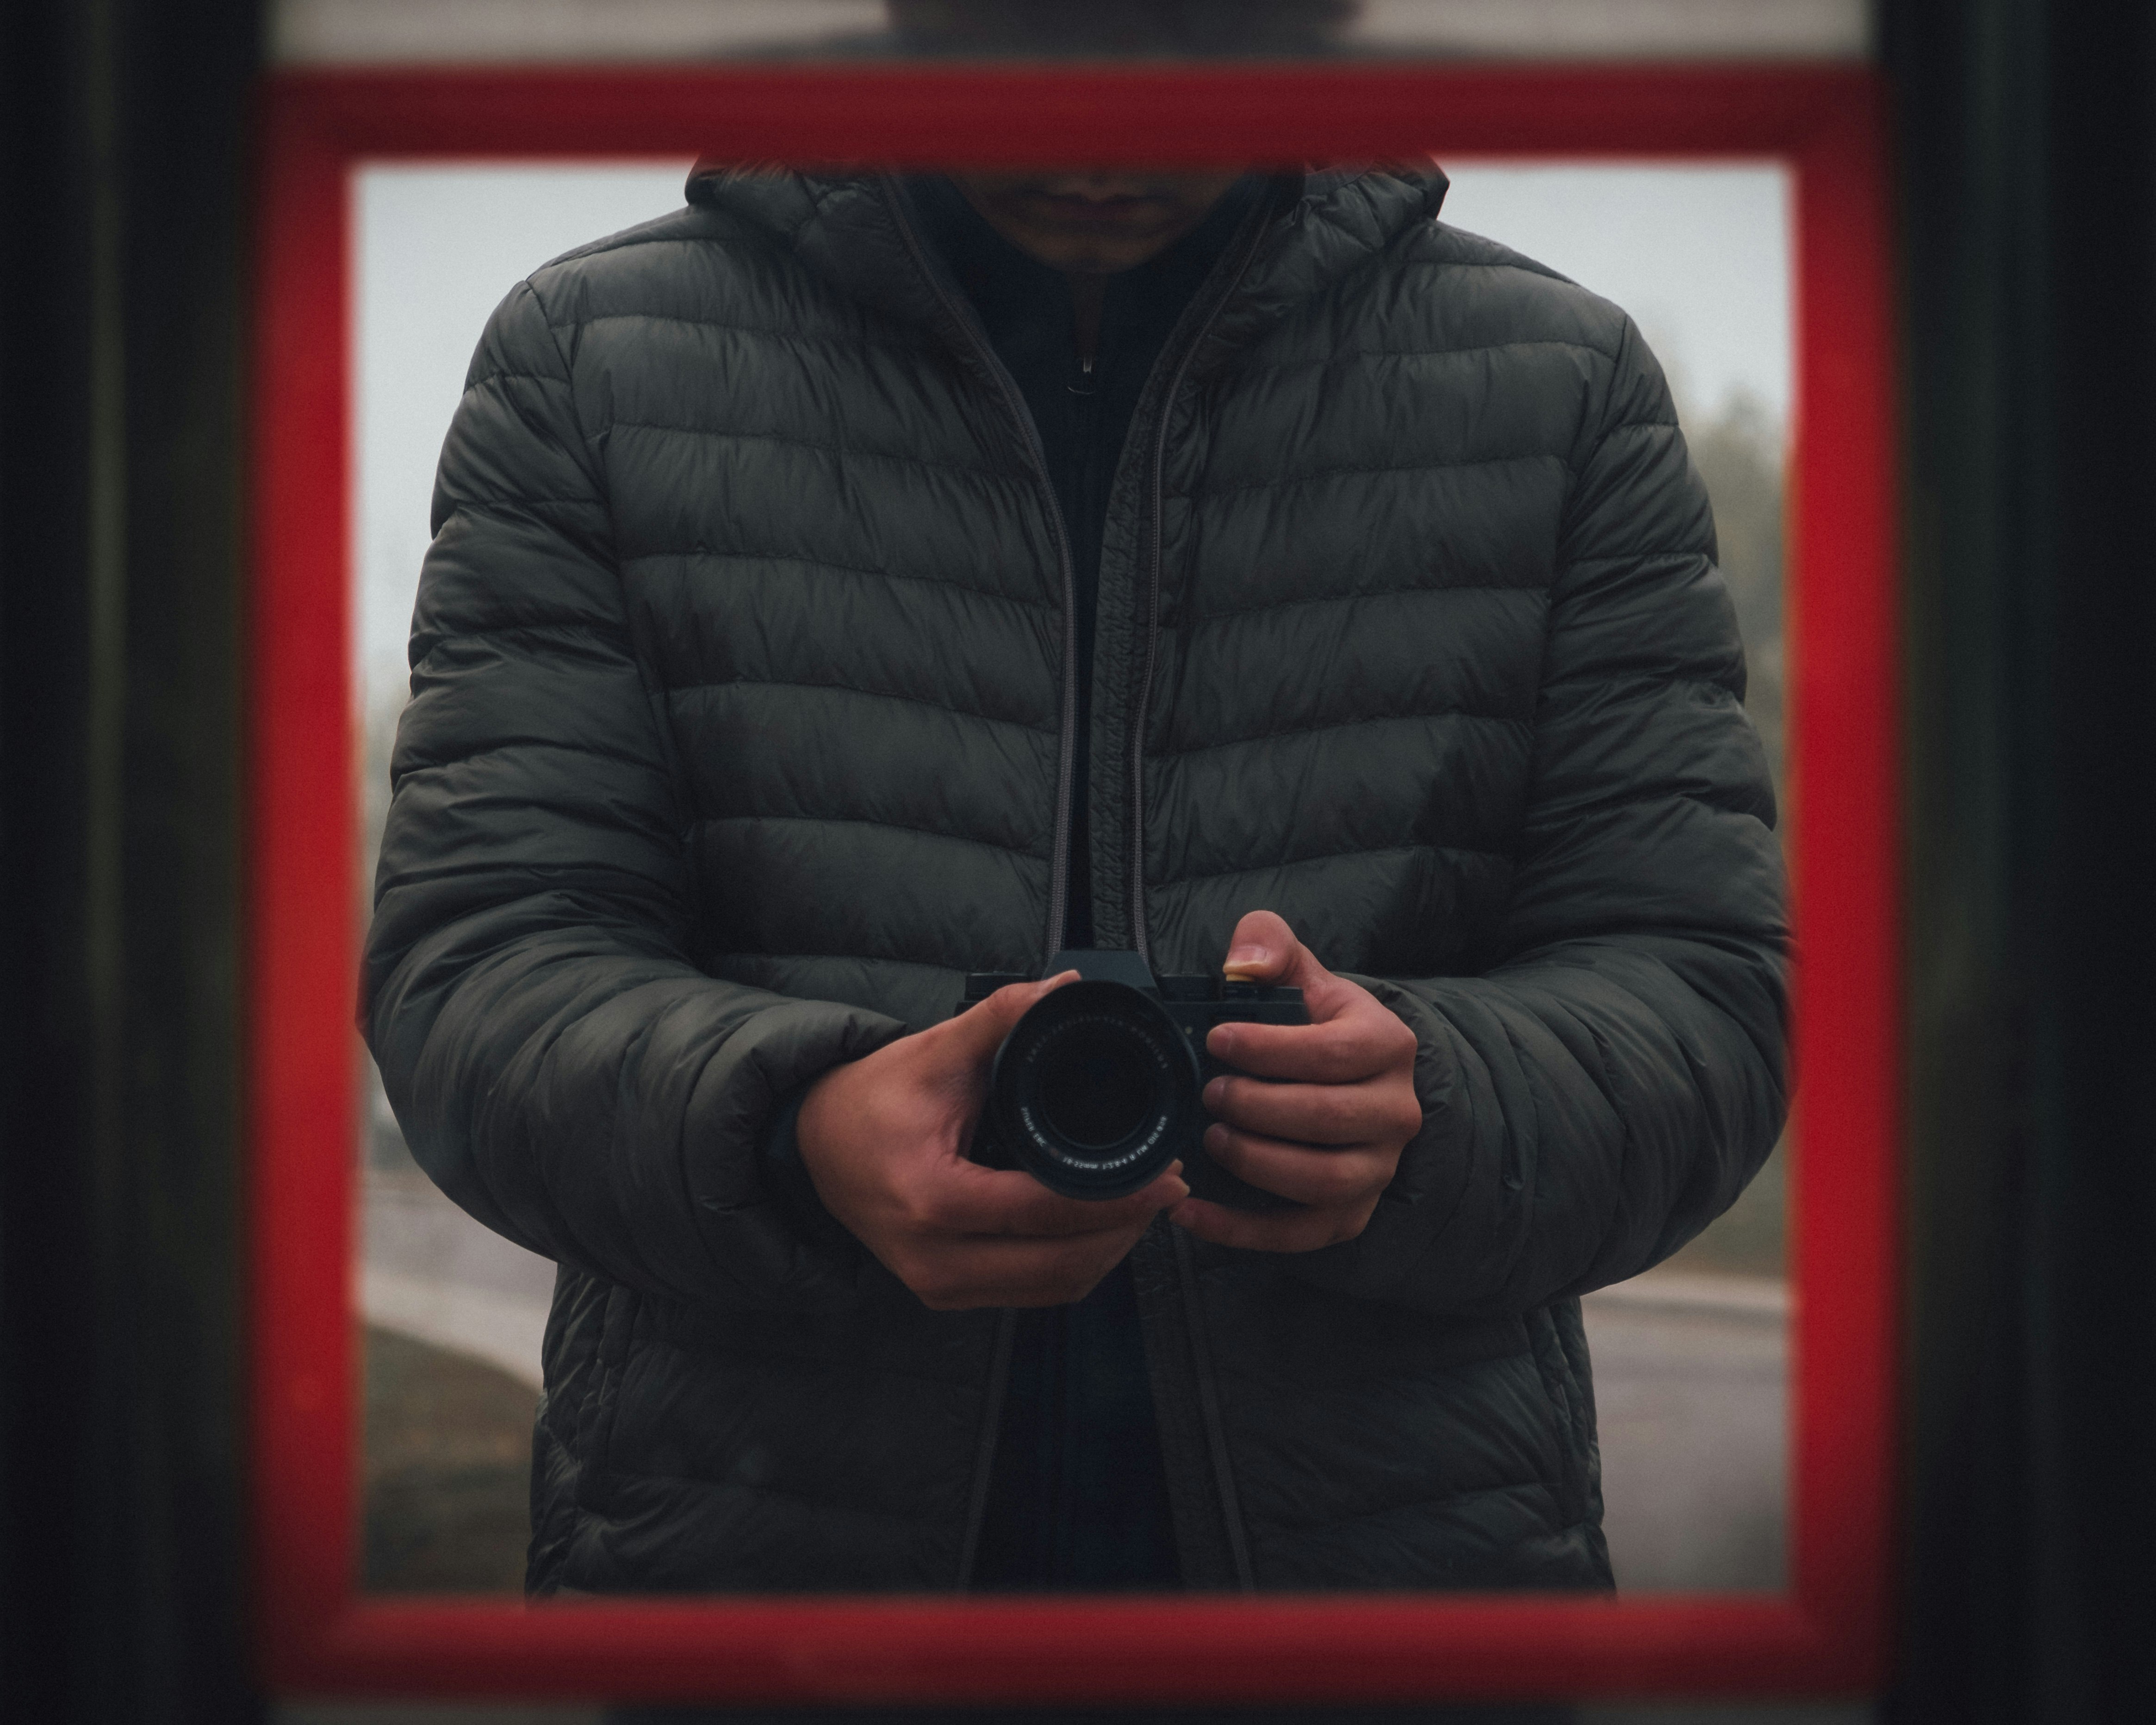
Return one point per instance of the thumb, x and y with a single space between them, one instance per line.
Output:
1264 949
978 1031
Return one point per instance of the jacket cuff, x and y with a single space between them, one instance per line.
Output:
785 1176
1430 1183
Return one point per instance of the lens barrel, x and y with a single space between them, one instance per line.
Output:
1098 1087
1095 1090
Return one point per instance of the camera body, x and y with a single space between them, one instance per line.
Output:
1097 1088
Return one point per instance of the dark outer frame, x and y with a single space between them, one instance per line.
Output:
1827 1633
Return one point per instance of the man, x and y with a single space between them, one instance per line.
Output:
849 583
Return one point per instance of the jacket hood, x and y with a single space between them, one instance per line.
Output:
1323 224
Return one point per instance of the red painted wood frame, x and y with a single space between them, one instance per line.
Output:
1828 1633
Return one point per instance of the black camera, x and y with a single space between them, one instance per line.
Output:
1097 1088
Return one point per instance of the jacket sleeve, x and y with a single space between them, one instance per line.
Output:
1611 1082
559 1066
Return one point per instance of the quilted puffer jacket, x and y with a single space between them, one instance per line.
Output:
740 731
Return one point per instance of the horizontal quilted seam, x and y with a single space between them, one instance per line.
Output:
764 1489
1414 258
1417 261
1288 481
734 237
1338 356
1191 619
582 880
799 339
706 821
410 762
1640 560
475 500
1284 1526
1655 797
1158 883
481 381
1651 689
730 555
838 451
596 638
1331 725
762 957
1415 255
672 689
1626 425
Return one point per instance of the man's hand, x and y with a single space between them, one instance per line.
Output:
884 1138
1329 1133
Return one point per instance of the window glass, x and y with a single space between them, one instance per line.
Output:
1691 1359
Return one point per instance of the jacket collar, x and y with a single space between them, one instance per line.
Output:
1328 224
1325 225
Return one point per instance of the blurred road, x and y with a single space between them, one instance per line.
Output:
1691 1390
1690 1375
431 1273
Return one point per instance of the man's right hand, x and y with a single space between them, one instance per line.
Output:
885 1139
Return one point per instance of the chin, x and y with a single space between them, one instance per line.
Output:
1090 257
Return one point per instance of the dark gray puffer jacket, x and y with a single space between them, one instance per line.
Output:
739 735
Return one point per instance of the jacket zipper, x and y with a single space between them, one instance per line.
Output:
984 1446
1186 1274
1208 1410
1059 867
1059 873
1259 222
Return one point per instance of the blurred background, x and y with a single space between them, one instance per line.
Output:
434 32
2023 169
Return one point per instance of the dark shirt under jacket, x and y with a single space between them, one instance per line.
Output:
1078 1497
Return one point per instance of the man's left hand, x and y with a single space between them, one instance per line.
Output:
1327 1130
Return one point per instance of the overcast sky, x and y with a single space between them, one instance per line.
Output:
1700 255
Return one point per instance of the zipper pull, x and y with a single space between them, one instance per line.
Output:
1085 374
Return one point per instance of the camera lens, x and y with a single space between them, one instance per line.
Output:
1094 1082
1095 1090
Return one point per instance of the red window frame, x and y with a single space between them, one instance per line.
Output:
1828 1633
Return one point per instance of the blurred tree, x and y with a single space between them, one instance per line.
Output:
447 1470
1739 455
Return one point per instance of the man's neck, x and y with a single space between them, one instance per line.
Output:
1089 294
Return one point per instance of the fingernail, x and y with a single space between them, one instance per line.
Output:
1244 960
1214 1092
1216 1138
